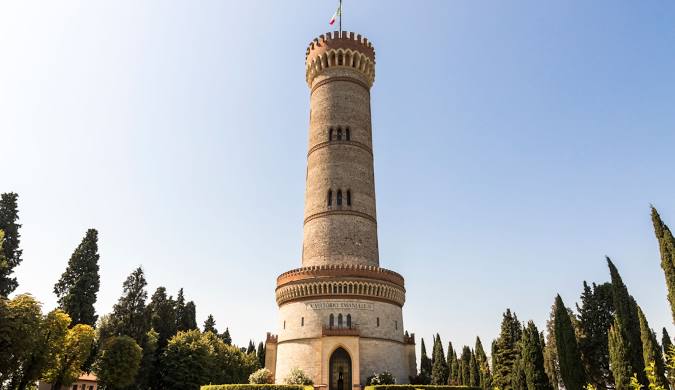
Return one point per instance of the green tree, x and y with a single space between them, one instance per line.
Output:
118 362
439 368
533 359
483 366
261 354
667 250
453 368
162 314
596 315
474 377
425 365
652 351
569 358
79 284
210 325
505 351
9 250
628 324
251 347
129 314
226 337
69 360
148 361
47 340
465 366
20 321
518 378
618 357
551 365
192 359
667 345
186 318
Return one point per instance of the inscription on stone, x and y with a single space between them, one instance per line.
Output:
340 305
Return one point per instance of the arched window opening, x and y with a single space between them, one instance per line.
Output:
378 322
284 324
396 324
339 133
302 321
339 198
330 198
331 321
349 198
347 135
330 134
349 321
340 59
340 320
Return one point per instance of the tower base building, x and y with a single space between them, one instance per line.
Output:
340 315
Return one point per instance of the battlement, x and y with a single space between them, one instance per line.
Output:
350 50
272 338
348 40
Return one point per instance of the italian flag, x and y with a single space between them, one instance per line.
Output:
337 13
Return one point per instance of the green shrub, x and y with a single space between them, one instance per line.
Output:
383 378
298 377
422 387
256 387
261 377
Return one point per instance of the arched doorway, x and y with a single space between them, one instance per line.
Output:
340 370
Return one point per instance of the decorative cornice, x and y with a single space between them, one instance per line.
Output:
340 212
344 288
340 270
349 143
340 78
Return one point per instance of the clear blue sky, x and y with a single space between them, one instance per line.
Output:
516 144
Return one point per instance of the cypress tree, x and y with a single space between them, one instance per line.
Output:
9 215
569 358
79 284
667 345
474 377
190 318
505 351
251 347
618 357
551 351
129 316
651 351
162 314
518 378
596 315
451 367
465 366
483 365
226 337
629 325
210 325
425 364
180 311
667 250
261 354
439 368
533 359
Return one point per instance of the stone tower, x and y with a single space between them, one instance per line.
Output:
340 314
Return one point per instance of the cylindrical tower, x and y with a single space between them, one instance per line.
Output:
340 315
340 225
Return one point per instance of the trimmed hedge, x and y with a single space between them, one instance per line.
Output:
256 387
420 387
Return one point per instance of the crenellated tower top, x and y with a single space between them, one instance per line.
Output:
349 50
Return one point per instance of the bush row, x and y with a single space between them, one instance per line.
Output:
257 387
420 387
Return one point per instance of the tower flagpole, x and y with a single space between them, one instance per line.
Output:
340 16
